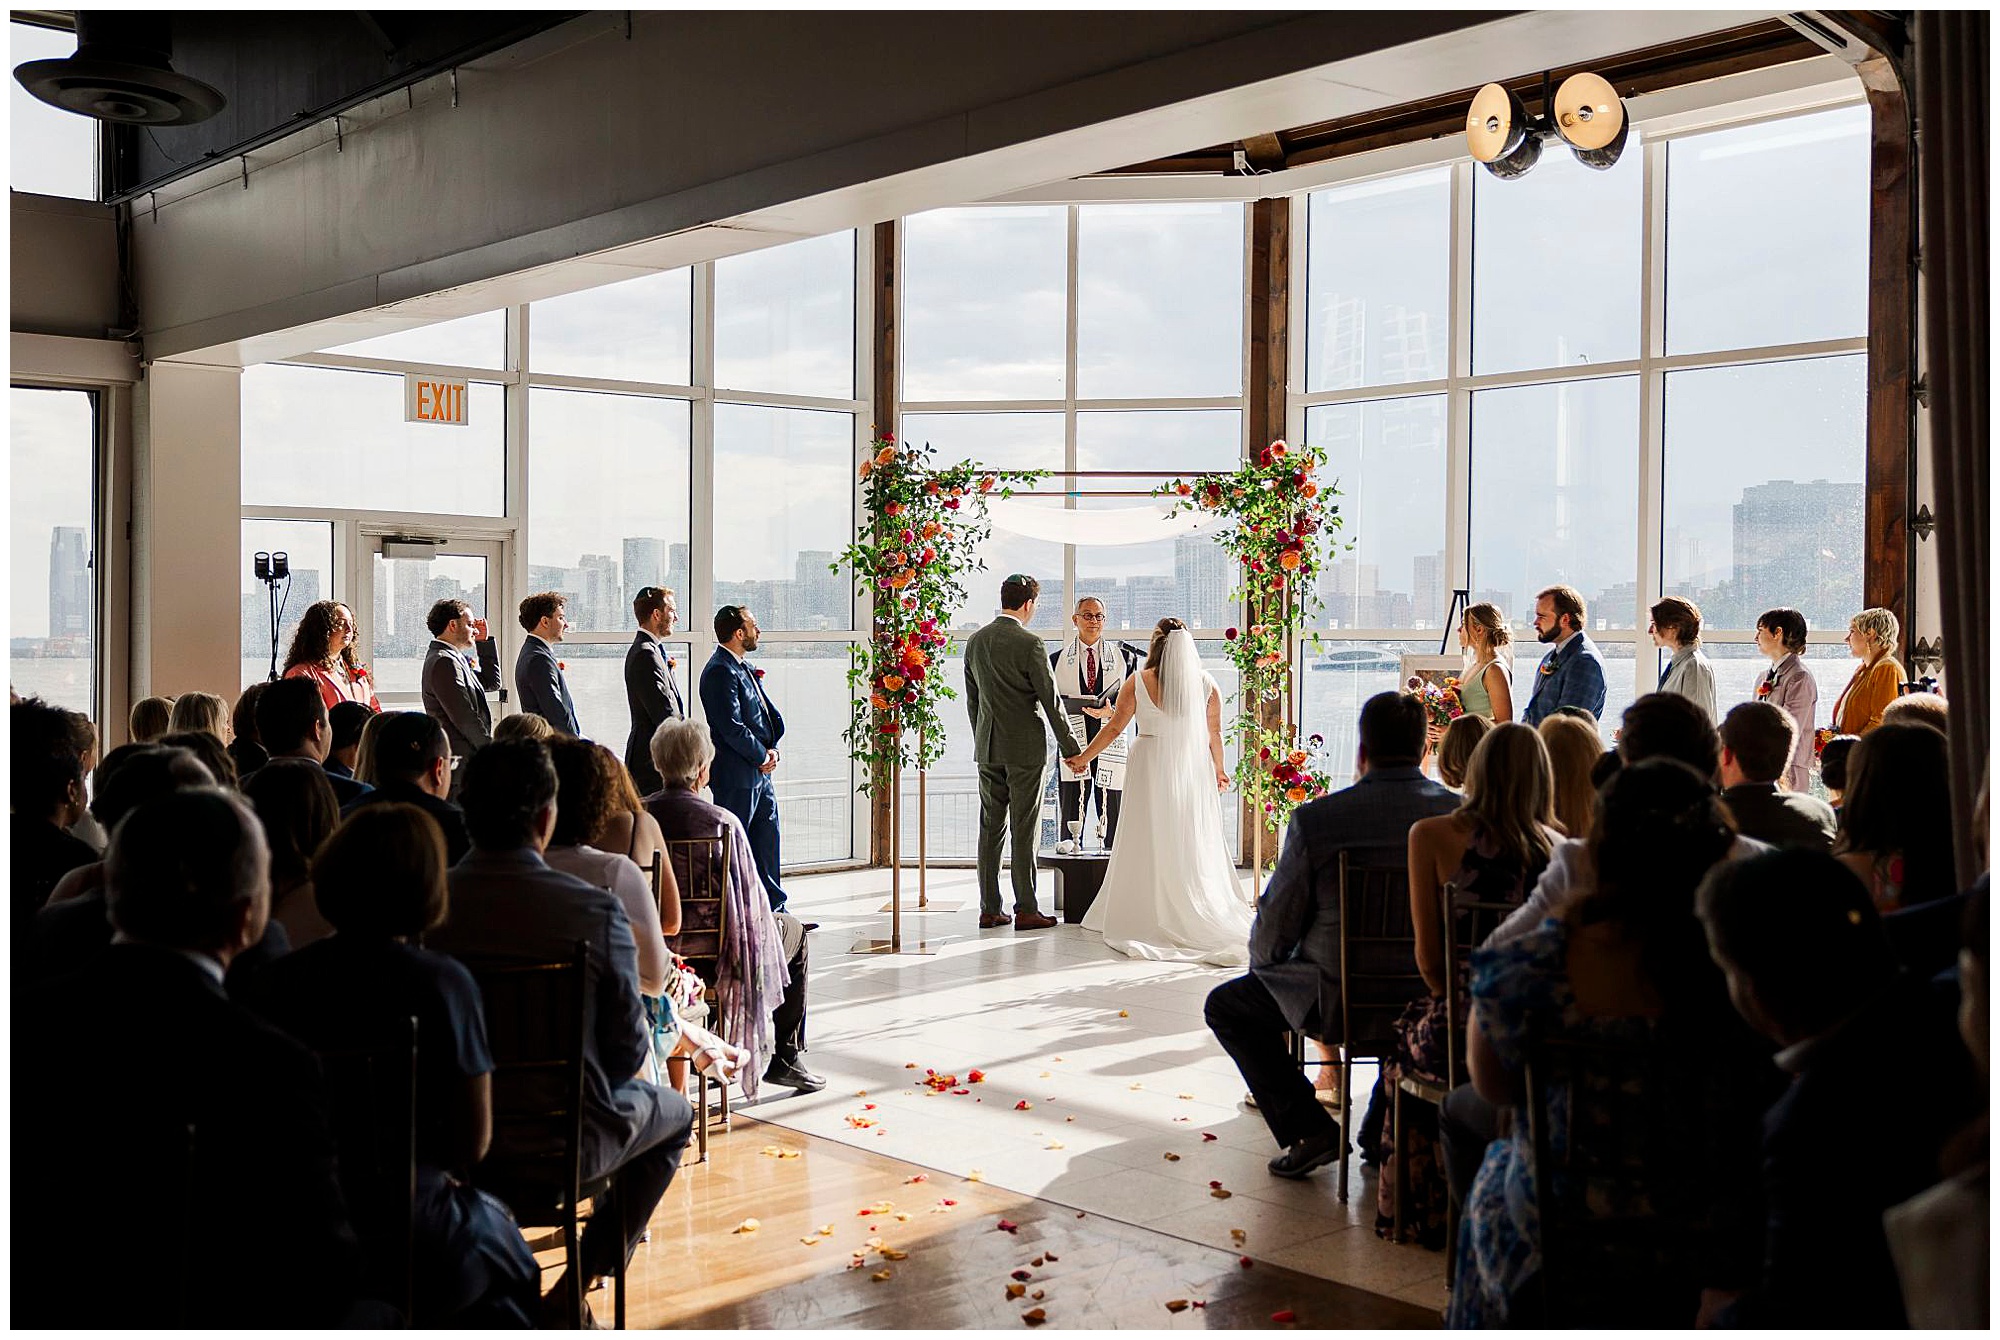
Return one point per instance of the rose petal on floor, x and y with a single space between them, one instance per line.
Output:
1034 1316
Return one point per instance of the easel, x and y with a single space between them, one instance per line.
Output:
1461 600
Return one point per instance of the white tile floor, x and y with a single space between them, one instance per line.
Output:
1109 1053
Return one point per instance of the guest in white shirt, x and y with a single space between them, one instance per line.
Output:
1676 626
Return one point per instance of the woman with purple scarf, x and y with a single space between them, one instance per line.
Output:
761 965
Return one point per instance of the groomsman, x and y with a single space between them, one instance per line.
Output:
454 692
538 675
650 691
1573 674
746 728
1087 666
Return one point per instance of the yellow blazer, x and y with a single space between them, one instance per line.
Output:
1861 702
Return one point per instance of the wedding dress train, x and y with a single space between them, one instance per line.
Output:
1171 891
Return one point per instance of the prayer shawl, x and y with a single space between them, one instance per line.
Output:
1115 661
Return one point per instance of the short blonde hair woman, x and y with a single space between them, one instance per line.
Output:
1574 749
1871 636
206 712
149 719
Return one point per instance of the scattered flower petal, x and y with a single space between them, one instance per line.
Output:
1135 1086
975 1077
1184 1097
1044 1075
879 1207
1008 1226
961 1092
1237 1235
880 1275
1171 1157
920 1177
1034 1316
974 1175
1213 1185
947 1202
826 1230
1220 1194
1123 1015
1180 1118
1052 1256
1024 1106
1069 1118
1016 1290
861 1093
902 1218
1022 1275
892 1254
1054 1144
1177 1305
909 1065
747 1226
1207 1137
1037 1262
1284 1318
810 1242
1038 1295
1243 1261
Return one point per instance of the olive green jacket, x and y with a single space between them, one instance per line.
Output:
1006 675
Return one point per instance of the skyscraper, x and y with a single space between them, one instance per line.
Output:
1201 570
645 564
69 583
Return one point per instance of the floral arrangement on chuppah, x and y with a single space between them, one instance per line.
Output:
1281 531
924 526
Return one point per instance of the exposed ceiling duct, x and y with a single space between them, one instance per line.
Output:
123 72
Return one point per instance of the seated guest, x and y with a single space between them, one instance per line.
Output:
1756 751
158 770
322 653
1810 968
149 718
1658 725
1789 686
83 737
1926 709
218 1136
627 826
1942 1239
1871 636
1895 826
292 723
1491 848
46 773
1574 751
585 795
1834 760
383 880
1929 938
200 712
1676 628
214 755
1294 980
293 799
364 751
762 972
245 748
412 765
507 905
1624 968
524 726
346 721
1455 746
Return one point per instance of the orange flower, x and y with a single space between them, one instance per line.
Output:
885 456
893 683
1298 758
1310 489
893 509
878 702
931 528
1289 559
914 656
867 469
1296 794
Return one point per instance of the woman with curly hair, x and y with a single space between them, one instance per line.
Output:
323 651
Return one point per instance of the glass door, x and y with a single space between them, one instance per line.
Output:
402 580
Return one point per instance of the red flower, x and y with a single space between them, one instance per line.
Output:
758 671
1229 633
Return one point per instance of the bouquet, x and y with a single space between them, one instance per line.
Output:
1820 739
1441 701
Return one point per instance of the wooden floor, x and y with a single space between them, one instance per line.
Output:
936 1238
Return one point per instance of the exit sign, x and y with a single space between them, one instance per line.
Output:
433 399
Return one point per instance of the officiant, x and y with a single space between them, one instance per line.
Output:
1089 671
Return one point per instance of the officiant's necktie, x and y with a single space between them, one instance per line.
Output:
1090 667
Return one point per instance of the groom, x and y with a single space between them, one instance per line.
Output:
1006 675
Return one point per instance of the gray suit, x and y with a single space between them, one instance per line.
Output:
510 906
457 697
1294 979
1006 678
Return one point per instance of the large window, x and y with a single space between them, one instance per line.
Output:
52 629
54 152
1717 456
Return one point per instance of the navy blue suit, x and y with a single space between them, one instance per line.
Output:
540 687
745 727
1572 676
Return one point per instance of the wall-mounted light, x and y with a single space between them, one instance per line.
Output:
1585 113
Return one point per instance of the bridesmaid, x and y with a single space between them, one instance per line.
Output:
1487 688
1781 635
1871 636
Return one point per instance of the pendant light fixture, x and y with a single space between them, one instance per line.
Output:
1500 132
1591 118
1585 113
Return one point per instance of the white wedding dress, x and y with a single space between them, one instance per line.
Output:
1171 891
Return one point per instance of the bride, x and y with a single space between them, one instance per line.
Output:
1171 890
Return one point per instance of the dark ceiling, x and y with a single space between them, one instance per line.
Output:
284 70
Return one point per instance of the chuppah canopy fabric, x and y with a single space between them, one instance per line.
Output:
1143 524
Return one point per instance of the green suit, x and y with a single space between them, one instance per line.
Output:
1006 677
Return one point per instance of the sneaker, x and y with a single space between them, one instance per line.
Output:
1300 1160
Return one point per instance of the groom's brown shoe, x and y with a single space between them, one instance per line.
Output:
988 920
1032 922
